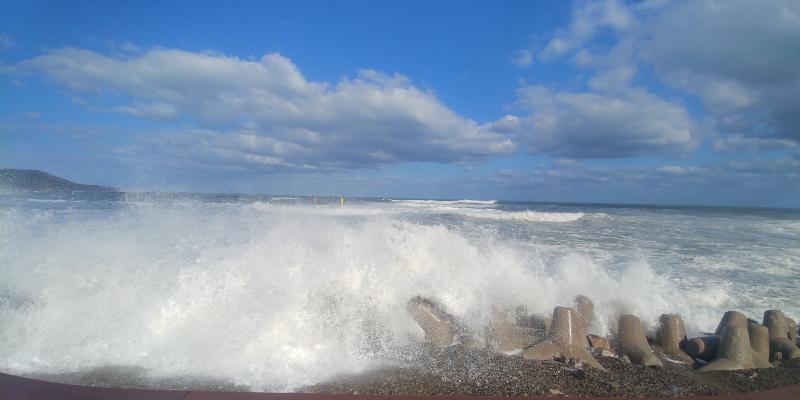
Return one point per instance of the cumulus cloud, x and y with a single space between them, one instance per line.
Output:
582 125
270 114
741 58
611 117
586 21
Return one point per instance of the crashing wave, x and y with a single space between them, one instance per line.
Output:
527 215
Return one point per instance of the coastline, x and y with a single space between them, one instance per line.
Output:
457 370
461 371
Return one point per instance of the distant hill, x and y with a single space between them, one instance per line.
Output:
28 179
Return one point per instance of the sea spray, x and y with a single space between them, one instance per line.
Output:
276 296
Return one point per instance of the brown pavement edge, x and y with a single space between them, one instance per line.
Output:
19 388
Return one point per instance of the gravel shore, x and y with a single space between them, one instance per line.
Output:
457 370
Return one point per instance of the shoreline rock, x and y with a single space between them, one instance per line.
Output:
632 342
457 370
669 336
566 338
738 342
780 335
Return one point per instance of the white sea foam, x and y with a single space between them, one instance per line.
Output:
484 209
526 215
466 202
279 296
321 209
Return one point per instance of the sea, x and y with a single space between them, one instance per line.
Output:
279 292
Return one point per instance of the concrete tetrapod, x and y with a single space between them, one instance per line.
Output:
508 338
703 348
759 341
731 318
741 344
669 336
585 309
565 338
439 327
524 320
633 342
792 325
733 351
779 335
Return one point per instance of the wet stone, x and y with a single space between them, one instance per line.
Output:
598 342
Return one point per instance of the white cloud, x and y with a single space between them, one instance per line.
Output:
586 21
742 58
276 116
757 182
674 170
592 125
738 143
505 125
611 79
566 163
6 42
151 110
612 117
523 58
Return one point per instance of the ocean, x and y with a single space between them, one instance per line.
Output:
279 292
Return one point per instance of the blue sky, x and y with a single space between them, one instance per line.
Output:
678 102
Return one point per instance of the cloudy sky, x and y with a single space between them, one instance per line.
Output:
672 102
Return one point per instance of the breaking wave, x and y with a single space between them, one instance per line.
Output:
526 215
282 296
465 202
